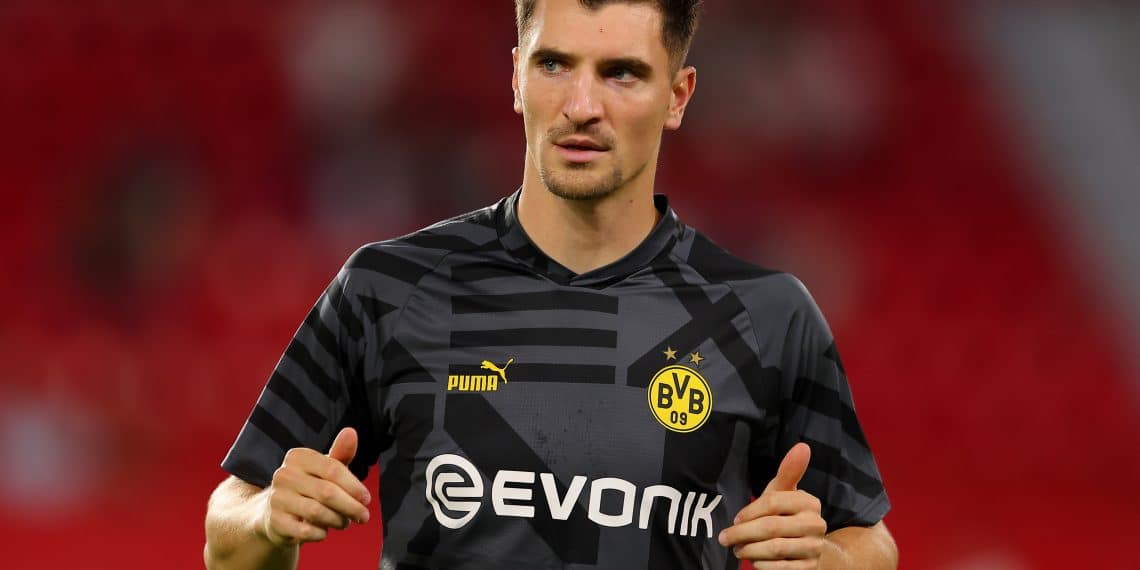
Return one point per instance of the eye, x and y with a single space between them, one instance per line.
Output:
550 65
623 74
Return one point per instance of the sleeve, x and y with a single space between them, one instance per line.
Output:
316 389
816 407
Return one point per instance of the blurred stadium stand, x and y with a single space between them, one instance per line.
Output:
181 180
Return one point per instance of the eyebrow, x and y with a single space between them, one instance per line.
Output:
637 65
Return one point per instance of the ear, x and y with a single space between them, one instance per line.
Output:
684 84
515 80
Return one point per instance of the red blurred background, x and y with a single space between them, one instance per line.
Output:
955 181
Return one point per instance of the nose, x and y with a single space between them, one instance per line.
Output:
583 106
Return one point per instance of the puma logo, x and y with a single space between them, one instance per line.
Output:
479 382
488 365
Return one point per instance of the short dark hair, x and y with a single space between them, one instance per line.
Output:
680 21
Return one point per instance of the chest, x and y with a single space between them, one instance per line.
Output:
570 380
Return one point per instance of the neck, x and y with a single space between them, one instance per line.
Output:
584 235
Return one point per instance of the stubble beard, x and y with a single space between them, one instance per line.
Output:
576 182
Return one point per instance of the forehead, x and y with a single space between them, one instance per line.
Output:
616 29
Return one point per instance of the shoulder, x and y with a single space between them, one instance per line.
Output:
758 283
380 276
717 265
408 258
769 295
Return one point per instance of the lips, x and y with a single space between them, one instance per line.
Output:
578 155
580 149
581 143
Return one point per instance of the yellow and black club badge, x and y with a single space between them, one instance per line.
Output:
679 397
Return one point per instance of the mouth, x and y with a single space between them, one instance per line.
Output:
580 151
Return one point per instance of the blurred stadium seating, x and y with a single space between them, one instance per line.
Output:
176 177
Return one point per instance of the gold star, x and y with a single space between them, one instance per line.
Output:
696 358
670 354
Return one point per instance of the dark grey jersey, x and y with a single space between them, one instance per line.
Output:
523 416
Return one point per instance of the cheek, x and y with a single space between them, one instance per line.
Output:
643 126
539 108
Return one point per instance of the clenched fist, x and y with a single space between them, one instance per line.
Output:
312 493
783 528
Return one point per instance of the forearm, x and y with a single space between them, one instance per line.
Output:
870 548
234 538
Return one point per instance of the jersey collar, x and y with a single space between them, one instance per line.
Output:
519 245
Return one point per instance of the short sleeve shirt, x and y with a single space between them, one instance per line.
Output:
524 416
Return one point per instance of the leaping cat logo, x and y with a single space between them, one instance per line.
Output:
488 365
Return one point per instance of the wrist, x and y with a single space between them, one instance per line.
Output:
834 556
257 521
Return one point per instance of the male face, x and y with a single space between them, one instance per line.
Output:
595 89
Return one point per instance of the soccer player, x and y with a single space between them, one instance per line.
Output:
571 377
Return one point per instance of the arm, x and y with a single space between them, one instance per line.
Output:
286 491
235 536
780 540
860 547
248 528
787 525
784 528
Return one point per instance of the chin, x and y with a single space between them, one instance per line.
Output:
581 183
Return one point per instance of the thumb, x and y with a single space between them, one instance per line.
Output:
791 469
344 446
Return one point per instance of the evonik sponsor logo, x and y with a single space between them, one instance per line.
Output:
455 490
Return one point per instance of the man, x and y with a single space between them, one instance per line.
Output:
570 378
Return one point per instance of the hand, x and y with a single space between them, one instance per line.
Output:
312 493
783 528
